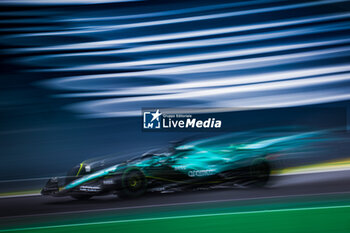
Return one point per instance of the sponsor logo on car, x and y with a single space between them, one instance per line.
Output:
86 188
199 173
180 168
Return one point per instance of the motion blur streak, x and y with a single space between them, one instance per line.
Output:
185 35
221 66
205 56
105 28
220 94
264 54
170 88
172 12
52 2
211 42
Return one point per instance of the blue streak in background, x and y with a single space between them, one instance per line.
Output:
229 40
106 28
173 12
258 54
187 35
61 2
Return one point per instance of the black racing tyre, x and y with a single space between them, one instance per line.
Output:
260 172
75 173
81 197
133 183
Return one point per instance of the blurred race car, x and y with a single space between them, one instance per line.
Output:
209 163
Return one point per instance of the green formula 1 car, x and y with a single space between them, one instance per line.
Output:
208 163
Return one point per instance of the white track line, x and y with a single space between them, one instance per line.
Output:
21 195
176 217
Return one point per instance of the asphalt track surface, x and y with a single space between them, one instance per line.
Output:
304 185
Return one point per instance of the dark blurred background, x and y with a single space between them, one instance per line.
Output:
75 75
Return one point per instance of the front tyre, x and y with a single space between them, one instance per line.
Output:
260 172
81 197
75 173
133 183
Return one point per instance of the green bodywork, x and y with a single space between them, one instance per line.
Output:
205 157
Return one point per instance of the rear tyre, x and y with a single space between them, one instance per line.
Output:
133 183
260 172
